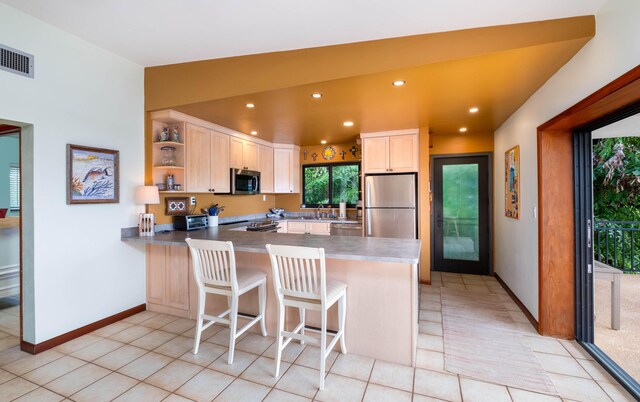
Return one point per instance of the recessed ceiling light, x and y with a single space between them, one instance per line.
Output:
347 123
463 129
316 95
473 110
250 105
398 83
254 132
323 142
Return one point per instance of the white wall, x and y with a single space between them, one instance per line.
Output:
614 51
80 271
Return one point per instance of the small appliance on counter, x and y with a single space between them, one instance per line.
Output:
190 222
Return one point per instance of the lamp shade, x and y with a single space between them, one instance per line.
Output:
147 195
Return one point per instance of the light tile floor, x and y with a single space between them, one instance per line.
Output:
148 357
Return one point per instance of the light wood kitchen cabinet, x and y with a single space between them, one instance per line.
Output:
207 167
168 279
220 176
265 158
243 154
286 170
390 152
317 228
375 155
198 166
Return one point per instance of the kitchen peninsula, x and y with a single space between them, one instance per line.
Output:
381 275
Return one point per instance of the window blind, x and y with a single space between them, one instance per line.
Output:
14 187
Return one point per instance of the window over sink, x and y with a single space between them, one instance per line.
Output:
329 184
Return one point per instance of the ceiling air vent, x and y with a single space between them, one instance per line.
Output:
15 61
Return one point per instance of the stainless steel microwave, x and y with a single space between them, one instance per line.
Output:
245 181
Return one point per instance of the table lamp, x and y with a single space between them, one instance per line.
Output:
146 222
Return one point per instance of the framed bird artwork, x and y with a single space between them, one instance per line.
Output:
92 175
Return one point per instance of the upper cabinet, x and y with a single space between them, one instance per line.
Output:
243 154
205 152
265 159
390 151
220 175
286 169
207 168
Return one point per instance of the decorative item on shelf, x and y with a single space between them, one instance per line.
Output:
146 222
164 135
328 153
304 153
314 156
176 205
92 175
175 135
343 153
168 156
353 151
161 186
170 182
177 187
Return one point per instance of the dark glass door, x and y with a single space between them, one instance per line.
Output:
461 234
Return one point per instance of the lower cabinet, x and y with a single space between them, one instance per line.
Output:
317 228
169 280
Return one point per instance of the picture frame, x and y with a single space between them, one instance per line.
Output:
93 175
176 205
512 183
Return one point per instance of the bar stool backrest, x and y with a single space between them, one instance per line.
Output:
214 263
298 272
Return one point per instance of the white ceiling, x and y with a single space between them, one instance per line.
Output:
157 32
629 127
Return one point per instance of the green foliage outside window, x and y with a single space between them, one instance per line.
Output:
616 189
330 184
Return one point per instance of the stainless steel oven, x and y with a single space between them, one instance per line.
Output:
245 181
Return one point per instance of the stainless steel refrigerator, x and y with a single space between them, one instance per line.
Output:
391 206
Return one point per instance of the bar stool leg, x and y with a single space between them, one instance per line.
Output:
201 300
342 315
279 337
323 347
301 311
233 317
262 301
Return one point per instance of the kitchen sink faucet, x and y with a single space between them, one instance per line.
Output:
318 210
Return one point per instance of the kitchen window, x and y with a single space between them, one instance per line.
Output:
329 184
14 187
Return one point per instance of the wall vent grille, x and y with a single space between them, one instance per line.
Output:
15 61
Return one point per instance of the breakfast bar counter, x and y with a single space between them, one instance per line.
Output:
381 276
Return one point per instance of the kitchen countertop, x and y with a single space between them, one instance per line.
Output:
405 251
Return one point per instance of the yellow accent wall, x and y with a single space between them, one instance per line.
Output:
234 204
460 143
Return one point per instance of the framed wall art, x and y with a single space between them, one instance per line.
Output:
176 205
512 183
92 175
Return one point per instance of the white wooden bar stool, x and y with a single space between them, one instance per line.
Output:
300 281
214 266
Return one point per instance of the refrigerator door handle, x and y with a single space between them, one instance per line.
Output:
368 222
367 191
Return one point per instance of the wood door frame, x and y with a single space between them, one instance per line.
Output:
489 156
6 129
556 264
